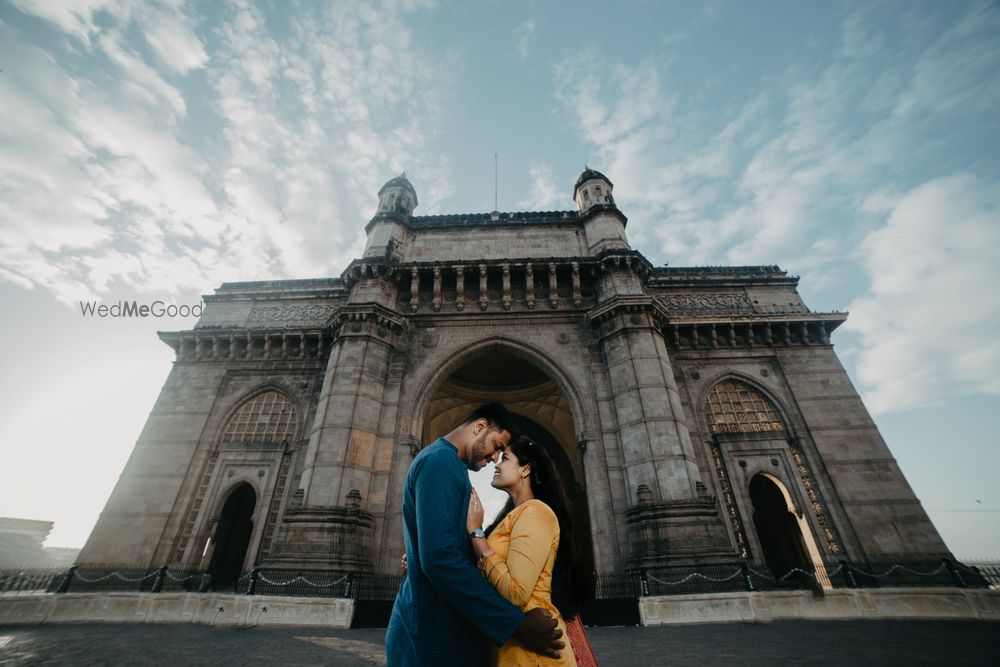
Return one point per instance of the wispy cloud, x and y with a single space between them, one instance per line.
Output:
121 169
525 34
928 321
546 193
793 174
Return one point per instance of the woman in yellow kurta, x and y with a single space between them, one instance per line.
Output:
529 553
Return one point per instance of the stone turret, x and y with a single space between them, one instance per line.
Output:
398 197
387 229
603 222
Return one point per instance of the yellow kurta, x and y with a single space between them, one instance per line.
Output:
524 552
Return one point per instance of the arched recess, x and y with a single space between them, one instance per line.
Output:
749 424
265 415
231 539
253 437
733 404
416 423
778 530
532 386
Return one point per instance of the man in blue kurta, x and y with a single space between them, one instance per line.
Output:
445 610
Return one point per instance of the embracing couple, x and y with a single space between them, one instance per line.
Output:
503 596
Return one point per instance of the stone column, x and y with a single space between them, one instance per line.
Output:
577 294
460 288
437 289
484 295
342 441
348 447
529 281
414 290
553 287
653 435
669 519
506 287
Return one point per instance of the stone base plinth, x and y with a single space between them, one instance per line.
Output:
204 608
676 533
328 538
836 605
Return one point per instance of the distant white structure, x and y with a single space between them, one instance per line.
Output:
22 544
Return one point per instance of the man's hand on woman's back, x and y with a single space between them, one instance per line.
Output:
538 631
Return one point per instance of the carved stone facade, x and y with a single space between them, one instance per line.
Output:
662 393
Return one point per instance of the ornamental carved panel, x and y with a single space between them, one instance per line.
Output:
290 315
708 304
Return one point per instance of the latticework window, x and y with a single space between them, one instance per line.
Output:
735 407
267 417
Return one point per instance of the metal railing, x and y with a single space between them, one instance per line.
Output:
27 581
368 586
888 573
300 583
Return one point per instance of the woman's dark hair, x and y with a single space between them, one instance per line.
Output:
570 577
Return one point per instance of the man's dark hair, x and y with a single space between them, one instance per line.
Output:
496 415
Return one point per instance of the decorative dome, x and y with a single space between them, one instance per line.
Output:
397 196
589 174
400 181
592 189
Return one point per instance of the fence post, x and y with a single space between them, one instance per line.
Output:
644 582
206 583
252 585
747 580
64 585
348 584
161 574
955 574
848 575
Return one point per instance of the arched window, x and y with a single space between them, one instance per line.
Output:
736 407
267 417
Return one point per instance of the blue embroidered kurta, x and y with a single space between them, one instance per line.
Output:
445 610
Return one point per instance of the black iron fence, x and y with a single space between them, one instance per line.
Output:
744 576
27 580
380 587
299 583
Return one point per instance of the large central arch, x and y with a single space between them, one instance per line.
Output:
532 386
499 344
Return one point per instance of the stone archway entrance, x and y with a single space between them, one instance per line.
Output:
542 411
778 530
232 537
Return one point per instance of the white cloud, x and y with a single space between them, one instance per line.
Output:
545 194
105 185
75 17
801 172
525 38
960 71
797 153
174 40
928 321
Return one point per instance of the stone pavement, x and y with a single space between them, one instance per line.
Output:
780 643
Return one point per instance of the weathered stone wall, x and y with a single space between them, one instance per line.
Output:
131 527
633 350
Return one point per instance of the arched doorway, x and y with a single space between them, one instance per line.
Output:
778 530
232 537
542 410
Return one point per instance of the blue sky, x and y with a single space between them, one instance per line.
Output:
155 150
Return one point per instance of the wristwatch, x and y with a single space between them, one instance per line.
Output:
478 532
